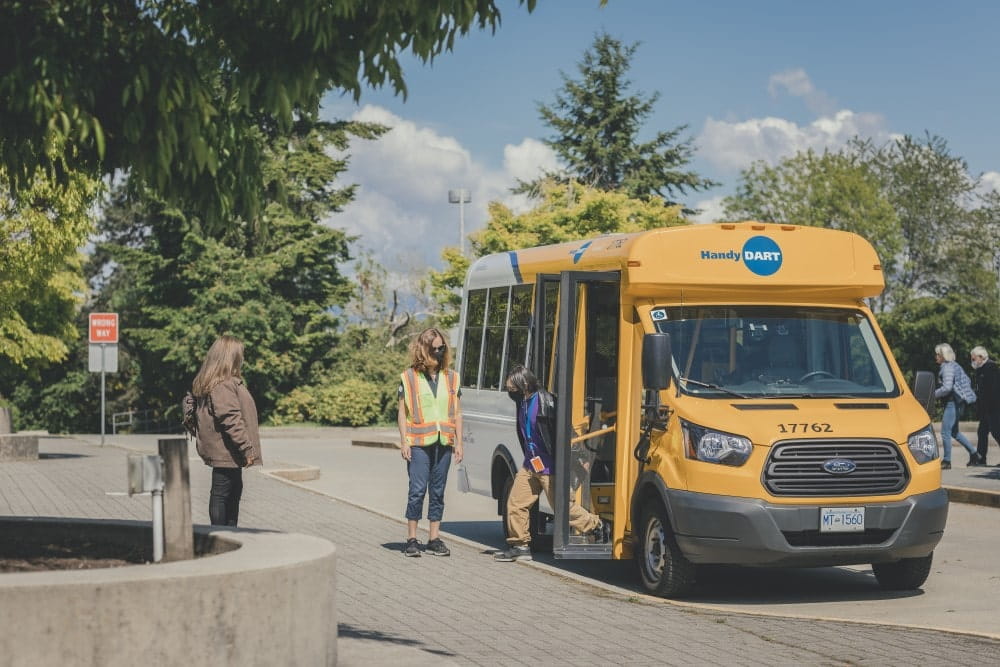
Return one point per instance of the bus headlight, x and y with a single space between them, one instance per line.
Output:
923 445
710 446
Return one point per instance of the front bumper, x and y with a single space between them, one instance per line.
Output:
744 531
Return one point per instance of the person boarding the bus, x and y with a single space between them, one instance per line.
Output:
430 433
535 420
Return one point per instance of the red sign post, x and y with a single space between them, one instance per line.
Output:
104 327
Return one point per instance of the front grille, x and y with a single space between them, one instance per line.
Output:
814 538
795 468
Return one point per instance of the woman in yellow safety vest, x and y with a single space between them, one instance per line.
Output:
430 433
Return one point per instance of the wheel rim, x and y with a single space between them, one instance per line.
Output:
655 552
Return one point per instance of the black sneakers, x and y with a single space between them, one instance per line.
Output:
516 552
412 548
437 548
945 465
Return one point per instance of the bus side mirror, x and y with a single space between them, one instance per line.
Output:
657 361
923 390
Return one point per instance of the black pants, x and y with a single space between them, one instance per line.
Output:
224 502
988 424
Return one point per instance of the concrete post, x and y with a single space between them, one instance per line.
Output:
6 422
178 534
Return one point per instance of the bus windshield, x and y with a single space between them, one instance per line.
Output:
766 351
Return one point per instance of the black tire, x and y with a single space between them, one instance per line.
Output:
663 569
904 575
504 497
540 541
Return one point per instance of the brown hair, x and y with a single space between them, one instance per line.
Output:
421 353
223 361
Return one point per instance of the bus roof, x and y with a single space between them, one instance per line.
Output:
736 260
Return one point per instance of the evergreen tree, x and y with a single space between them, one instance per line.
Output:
597 124
178 285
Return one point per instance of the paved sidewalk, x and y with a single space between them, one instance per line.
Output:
466 609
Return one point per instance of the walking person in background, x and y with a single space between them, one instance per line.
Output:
955 390
220 412
430 433
987 375
536 433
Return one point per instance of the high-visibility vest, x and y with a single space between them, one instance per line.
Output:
430 417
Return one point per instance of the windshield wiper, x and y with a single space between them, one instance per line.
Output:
709 385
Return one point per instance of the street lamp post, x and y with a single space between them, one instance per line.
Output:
460 197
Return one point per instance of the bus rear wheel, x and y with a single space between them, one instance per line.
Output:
662 567
904 575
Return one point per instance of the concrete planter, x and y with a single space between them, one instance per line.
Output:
253 598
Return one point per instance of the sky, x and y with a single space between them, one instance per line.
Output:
751 81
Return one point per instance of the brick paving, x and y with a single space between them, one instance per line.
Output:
468 610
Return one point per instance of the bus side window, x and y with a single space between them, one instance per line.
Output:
517 331
473 343
496 325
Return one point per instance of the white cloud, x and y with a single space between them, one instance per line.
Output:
401 212
797 83
990 181
709 210
735 145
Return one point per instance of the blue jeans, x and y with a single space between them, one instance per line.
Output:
949 428
428 467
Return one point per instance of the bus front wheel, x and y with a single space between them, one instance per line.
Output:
904 575
663 568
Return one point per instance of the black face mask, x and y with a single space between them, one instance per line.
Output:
514 395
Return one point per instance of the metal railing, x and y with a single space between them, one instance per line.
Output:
143 421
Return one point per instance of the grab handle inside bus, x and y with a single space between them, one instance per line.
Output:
657 361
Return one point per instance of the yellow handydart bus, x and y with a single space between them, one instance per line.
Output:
724 396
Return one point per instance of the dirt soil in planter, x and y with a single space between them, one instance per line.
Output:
67 556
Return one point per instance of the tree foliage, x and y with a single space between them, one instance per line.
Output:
597 124
911 198
176 93
42 228
836 190
564 212
177 287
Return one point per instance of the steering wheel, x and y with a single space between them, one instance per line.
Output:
815 374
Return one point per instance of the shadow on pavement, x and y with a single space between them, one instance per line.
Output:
56 455
347 630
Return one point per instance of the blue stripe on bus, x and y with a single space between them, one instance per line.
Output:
514 266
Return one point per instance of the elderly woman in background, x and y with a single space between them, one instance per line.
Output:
987 399
955 390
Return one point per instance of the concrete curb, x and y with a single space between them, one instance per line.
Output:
958 494
386 444
298 474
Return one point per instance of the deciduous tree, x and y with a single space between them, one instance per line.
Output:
564 212
176 92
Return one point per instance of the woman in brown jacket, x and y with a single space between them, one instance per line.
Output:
222 415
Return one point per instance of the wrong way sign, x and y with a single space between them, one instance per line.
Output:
104 327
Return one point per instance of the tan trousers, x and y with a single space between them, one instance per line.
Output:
528 485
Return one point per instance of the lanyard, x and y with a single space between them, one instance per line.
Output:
527 416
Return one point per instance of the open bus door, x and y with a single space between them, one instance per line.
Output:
576 356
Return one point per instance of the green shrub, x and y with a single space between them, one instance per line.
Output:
353 402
